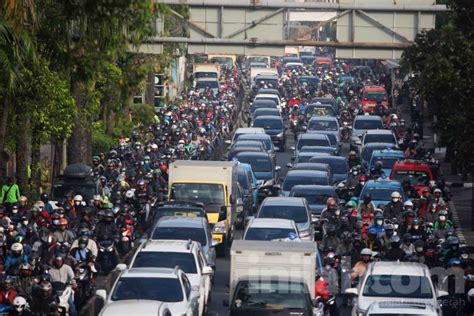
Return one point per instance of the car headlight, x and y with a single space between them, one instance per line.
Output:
219 228
280 135
304 233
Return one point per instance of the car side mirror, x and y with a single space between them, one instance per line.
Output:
239 202
214 243
277 168
352 291
228 142
289 165
292 147
314 218
207 270
120 267
102 294
442 294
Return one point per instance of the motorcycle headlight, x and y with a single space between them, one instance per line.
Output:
240 209
280 135
219 228
110 249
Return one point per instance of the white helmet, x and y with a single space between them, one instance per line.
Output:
408 203
437 190
129 194
366 252
396 194
17 247
20 303
78 198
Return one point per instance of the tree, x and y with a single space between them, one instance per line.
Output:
442 61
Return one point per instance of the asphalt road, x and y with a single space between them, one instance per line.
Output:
220 288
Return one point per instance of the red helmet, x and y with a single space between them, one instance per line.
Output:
331 202
362 178
164 168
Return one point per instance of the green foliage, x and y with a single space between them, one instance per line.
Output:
142 116
101 142
443 63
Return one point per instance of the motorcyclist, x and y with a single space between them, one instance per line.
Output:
395 253
373 241
26 282
331 241
7 293
45 303
63 273
407 245
360 185
106 228
353 160
438 198
15 259
329 213
378 225
329 274
419 251
360 267
379 109
345 247
442 225
377 171
395 207
417 232
410 191
452 250
63 234
367 206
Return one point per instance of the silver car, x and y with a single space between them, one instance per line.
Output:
326 125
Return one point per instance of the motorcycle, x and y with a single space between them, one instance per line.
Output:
64 293
107 257
85 289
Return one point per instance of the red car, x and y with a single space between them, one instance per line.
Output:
417 171
371 95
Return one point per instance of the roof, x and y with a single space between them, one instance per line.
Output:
311 164
269 246
184 246
149 273
250 130
379 132
388 153
409 163
323 118
280 200
368 118
254 136
313 136
271 223
267 110
268 117
306 173
328 158
257 154
202 163
383 183
180 221
132 307
377 145
399 268
312 188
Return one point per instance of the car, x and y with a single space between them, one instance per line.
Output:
326 125
78 178
339 166
203 83
263 104
318 109
153 285
401 308
179 208
395 282
268 91
187 228
244 206
265 111
299 177
388 157
272 97
380 191
263 138
316 150
262 164
185 254
361 124
290 59
379 136
371 95
316 196
271 229
367 150
273 126
294 65
235 150
417 172
139 307
310 140
325 100
293 208
306 157
245 130
249 183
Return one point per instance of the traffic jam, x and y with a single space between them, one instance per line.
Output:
296 185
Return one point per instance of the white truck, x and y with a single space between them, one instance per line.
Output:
273 274
255 71
206 71
213 183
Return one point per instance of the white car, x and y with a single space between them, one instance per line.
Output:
151 287
401 308
142 308
268 96
188 255
395 282
271 229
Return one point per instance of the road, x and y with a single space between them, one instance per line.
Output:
220 289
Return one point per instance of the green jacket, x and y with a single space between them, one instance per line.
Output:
12 196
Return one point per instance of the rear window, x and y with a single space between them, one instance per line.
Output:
400 286
312 142
368 124
296 213
291 181
379 138
317 125
258 164
268 124
205 84
180 233
148 259
417 178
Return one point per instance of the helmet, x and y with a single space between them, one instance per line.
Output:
164 168
395 194
437 190
63 222
19 303
129 194
362 178
22 198
351 204
78 198
331 202
407 237
372 231
17 247
46 287
454 262
395 241
408 204
453 242
366 252
426 190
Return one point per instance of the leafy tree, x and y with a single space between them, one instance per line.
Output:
442 61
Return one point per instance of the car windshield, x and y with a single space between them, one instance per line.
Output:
320 125
403 286
376 96
222 60
266 111
312 142
155 289
296 213
206 193
387 162
417 178
379 193
267 81
291 181
148 259
180 233
267 142
318 111
314 198
203 74
258 164
273 296
379 138
368 124
208 83
268 233
268 124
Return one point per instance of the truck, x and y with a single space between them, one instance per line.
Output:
206 71
261 71
276 275
76 179
214 184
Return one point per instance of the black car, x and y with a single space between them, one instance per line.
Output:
259 104
315 195
180 208
273 126
265 111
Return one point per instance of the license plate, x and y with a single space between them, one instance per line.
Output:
217 238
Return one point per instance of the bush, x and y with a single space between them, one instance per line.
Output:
101 142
